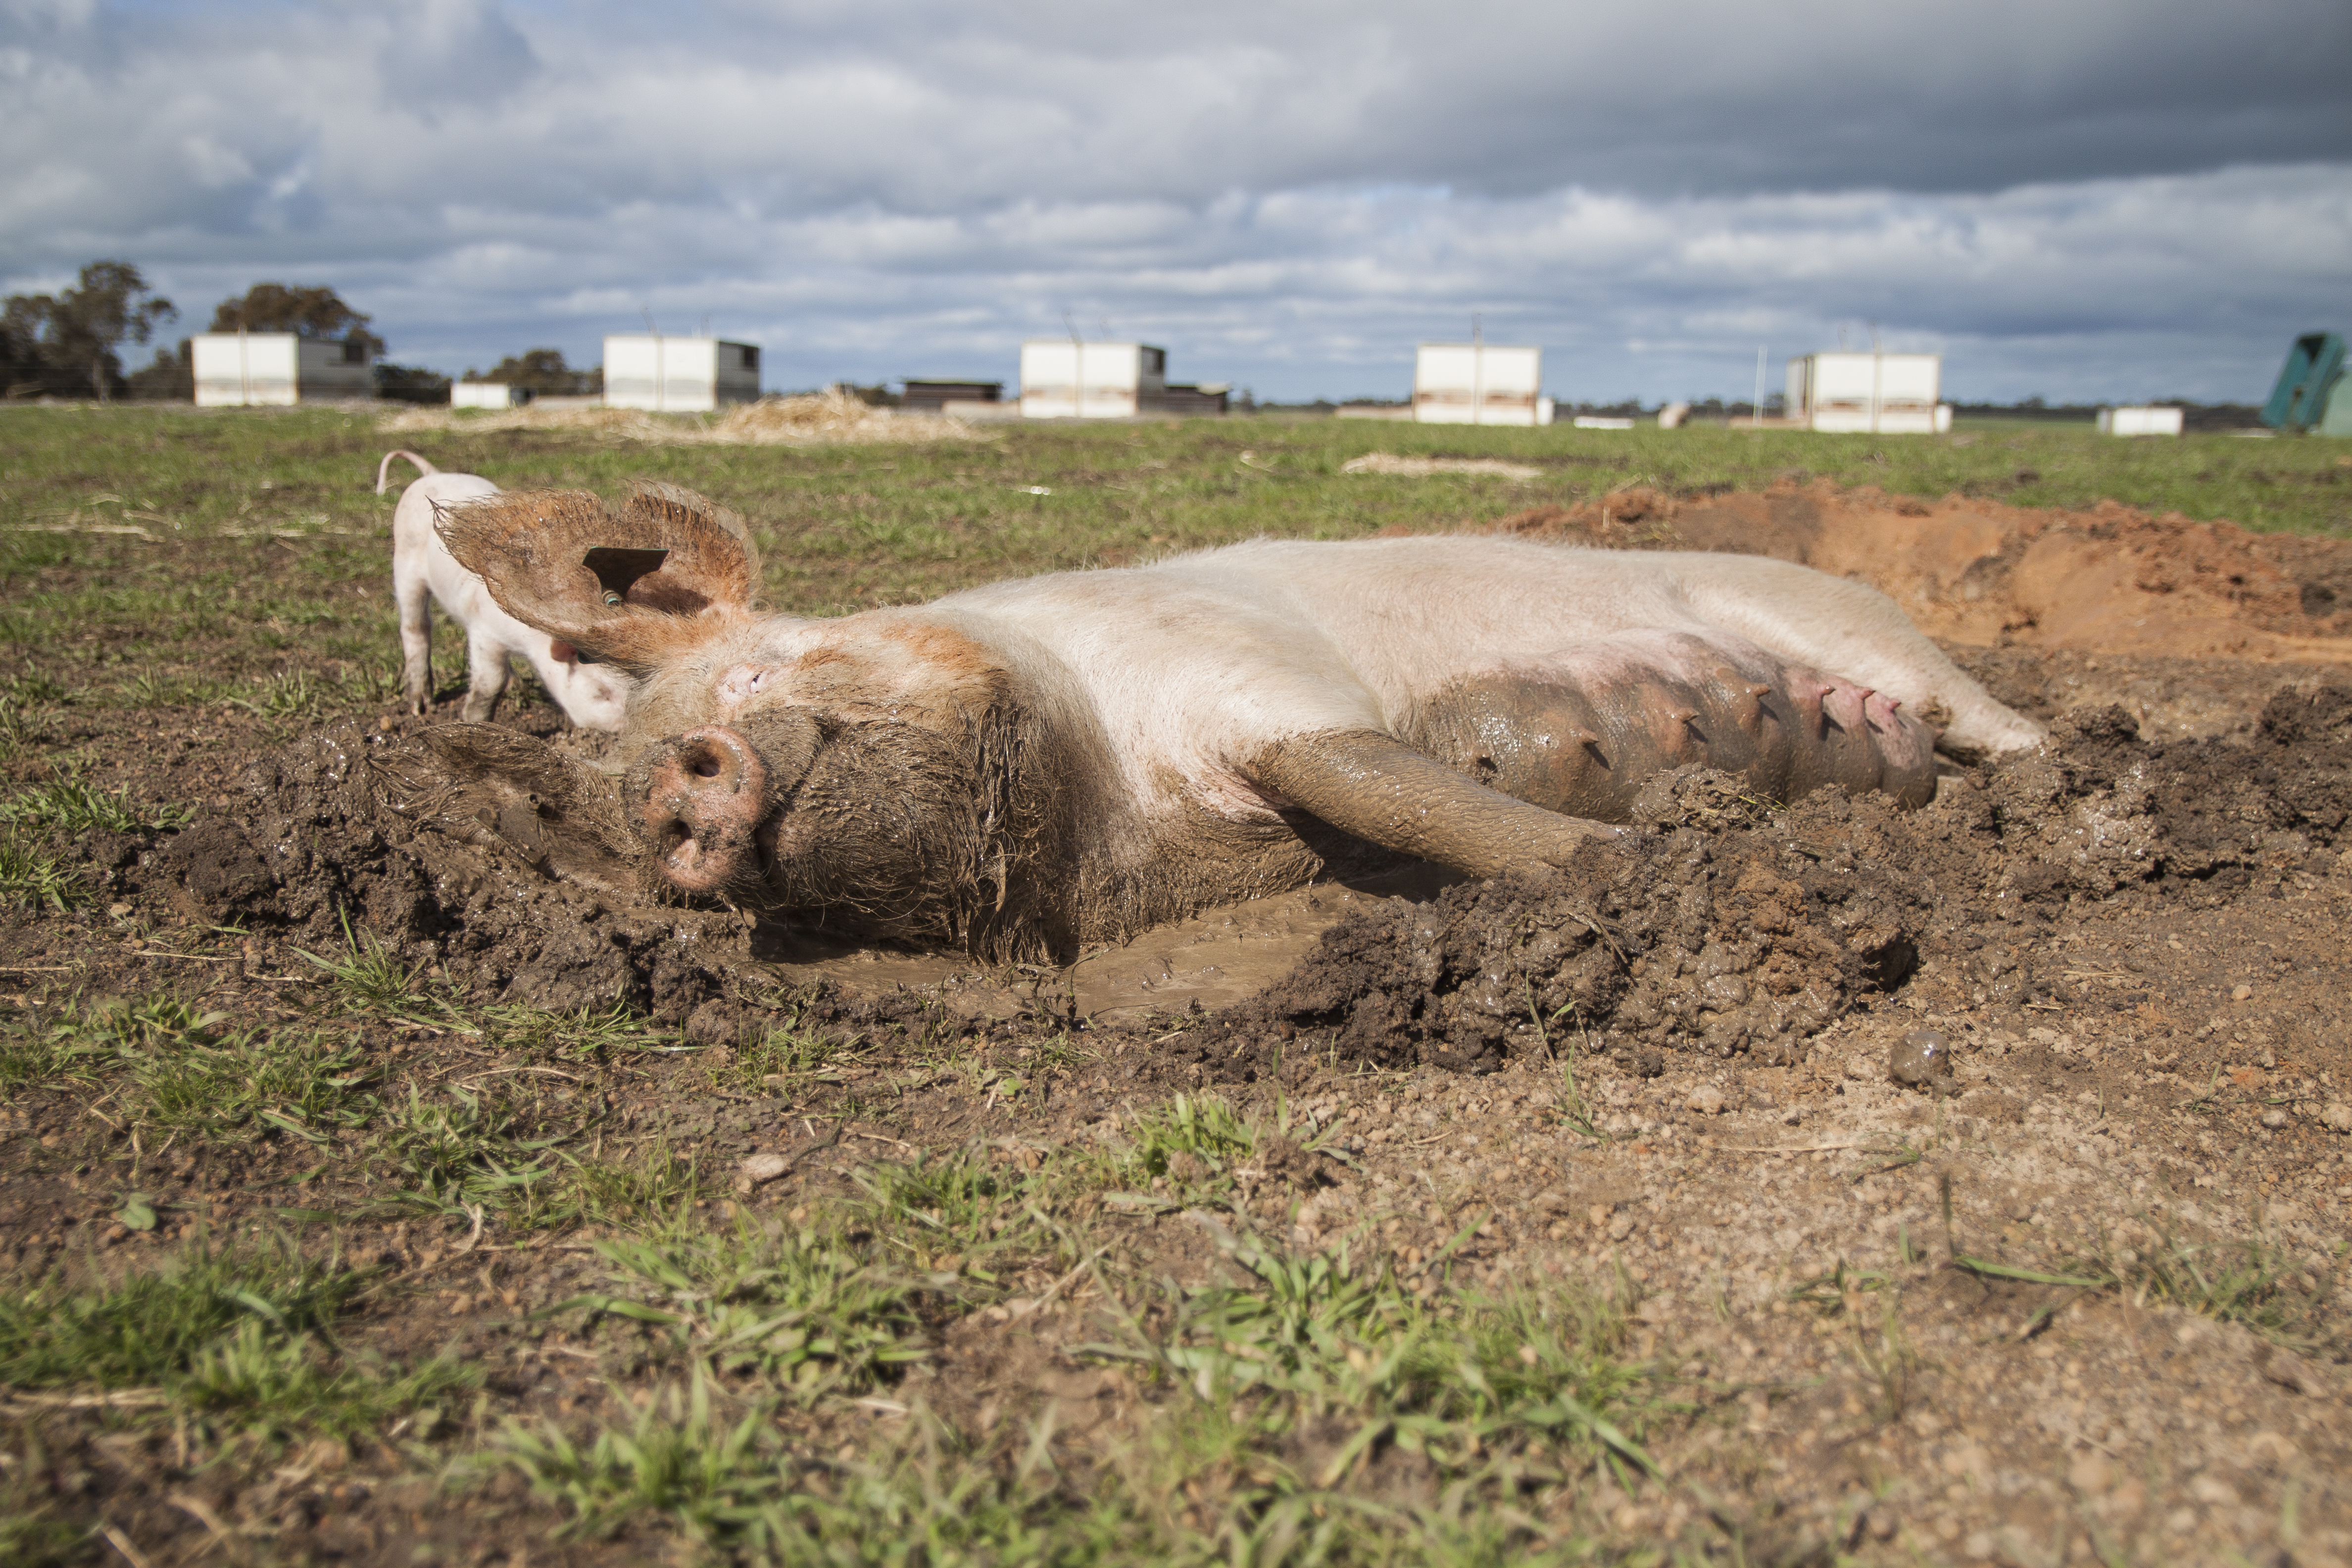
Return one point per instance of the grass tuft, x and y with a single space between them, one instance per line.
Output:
152 1326
807 1312
75 805
29 878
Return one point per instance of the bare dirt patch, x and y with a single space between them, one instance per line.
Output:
2113 580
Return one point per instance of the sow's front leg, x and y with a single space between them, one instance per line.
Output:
1385 792
1517 767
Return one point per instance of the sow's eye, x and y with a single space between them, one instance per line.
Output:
743 682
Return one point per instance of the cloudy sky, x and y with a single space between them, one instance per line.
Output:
2085 199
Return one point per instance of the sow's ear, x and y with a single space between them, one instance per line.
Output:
629 587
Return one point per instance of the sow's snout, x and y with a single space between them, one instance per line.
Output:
700 798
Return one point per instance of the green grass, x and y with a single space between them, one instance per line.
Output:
217 610
72 806
943 1210
31 877
1270 1401
173 1067
153 1327
461 1154
223 1343
367 976
806 1312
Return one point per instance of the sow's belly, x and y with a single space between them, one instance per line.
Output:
1579 730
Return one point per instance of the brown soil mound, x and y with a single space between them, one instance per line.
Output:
1723 926
2112 579
406 843
1726 928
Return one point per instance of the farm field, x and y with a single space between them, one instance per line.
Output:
362 1200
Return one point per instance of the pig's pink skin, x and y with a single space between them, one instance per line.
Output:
706 797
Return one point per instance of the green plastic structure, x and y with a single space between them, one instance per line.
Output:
2312 395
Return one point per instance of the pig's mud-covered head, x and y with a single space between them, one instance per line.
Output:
876 773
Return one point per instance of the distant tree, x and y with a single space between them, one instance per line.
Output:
173 376
410 384
306 312
542 373
70 338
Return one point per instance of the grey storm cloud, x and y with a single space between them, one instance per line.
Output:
2089 197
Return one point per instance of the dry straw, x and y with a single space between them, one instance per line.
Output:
816 418
1423 467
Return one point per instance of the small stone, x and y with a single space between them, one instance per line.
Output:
1620 1228
2242 993
1918 1056
2214 1491
2337 1117
757 1168
2292 1372
1861 1068
2091 1474
2274 1118
1707 1100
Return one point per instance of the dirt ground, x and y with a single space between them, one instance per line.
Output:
1973 1182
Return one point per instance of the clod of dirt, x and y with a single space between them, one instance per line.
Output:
419 845
1919 1057
1730 928
1724 926
757 1170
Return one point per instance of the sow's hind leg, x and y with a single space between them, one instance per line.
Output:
1580 730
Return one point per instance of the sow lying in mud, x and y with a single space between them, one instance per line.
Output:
1025 767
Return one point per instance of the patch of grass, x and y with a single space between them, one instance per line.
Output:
785 1059
654 1195
463 1154
153 689
176 1066
1318 1338
368 976
309 696
675 1460
34 878
582 1033
2247 1279
806 1312
153 1327
943 1210
256 1382
1282 1394
1187 1149
73 805
305 1086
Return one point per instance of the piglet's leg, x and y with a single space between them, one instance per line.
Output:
1386 792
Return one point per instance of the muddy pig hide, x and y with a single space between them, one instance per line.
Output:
1023 768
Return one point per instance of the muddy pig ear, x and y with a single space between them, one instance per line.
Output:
629 588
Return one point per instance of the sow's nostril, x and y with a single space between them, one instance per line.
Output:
703 801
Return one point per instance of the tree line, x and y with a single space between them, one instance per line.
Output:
69 343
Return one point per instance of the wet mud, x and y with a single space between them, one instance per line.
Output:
1725 925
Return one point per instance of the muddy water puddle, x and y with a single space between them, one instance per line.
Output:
1216 958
